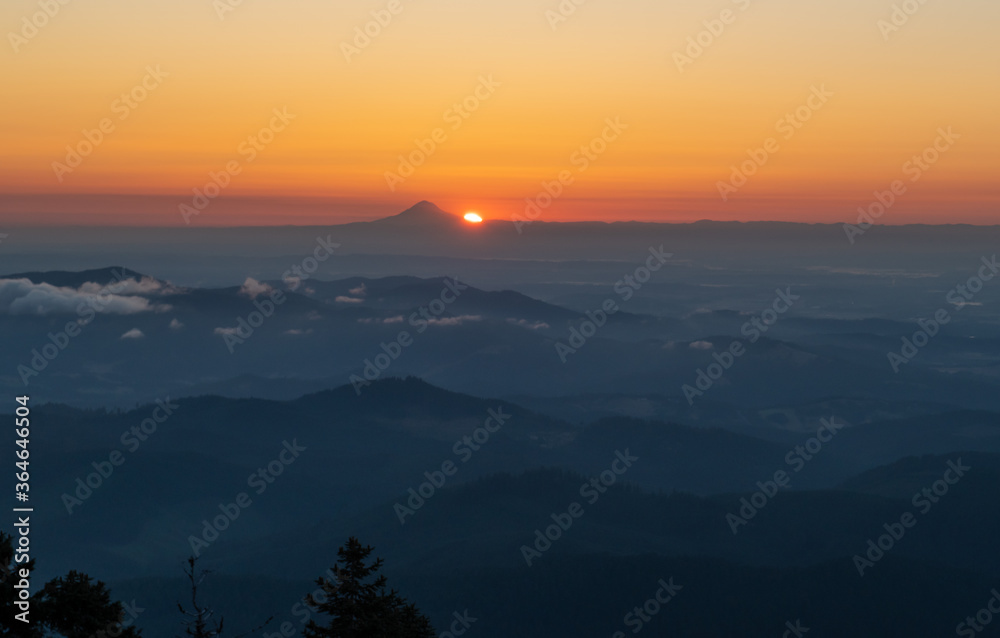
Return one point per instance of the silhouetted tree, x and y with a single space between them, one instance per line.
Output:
360 605
9 573
199 623
76 606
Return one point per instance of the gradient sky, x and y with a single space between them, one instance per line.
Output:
557 87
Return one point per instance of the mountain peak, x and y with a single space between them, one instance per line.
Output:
421 213
426 205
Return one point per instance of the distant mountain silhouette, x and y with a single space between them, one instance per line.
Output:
69 279
421 214
361 455
488 342
407 293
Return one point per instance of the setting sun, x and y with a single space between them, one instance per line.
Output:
473 217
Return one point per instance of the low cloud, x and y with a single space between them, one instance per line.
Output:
134 333
382 320
144 286
454 321
253 288
22 297
530 325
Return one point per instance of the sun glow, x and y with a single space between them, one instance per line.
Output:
473 218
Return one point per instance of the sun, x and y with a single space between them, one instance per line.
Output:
473 218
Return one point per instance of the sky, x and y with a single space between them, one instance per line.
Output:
642 107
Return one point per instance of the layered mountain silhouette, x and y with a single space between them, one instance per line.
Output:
418 344
488 342
362 455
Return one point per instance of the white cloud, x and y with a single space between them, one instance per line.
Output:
454 321
701 345
144 286
253 288
21 297
445 321
530 325
134 333
175 324
343 299
360 291
370 320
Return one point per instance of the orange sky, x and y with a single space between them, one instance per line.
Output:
555 83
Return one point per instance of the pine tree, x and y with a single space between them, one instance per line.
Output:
9 594
360 605
199 623
76 606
